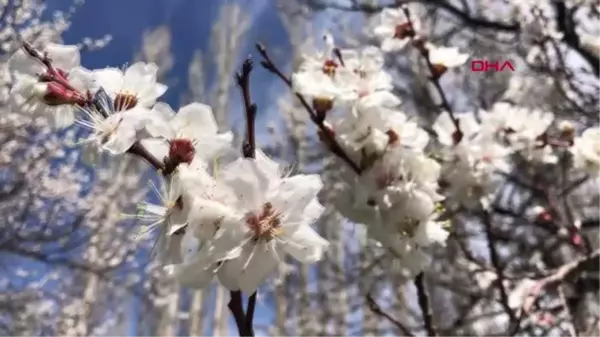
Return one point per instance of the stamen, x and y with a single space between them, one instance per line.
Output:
124 101
404 30
266 225
329 67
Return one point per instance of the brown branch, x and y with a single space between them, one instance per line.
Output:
243 81
376 309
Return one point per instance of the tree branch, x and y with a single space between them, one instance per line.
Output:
469 21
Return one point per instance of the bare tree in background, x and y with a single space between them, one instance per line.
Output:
60 222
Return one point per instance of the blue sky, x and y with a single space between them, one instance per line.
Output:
190 22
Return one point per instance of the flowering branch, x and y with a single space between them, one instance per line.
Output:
244 321
53 73
326 133
436 72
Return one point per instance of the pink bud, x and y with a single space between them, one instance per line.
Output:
58 94
545 216
576 239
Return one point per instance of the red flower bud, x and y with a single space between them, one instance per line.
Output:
181 150
57 94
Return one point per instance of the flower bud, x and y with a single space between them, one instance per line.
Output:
322 106
404 30
567 130
55 93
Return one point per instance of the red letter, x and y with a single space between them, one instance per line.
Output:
480 66
493 65
507 64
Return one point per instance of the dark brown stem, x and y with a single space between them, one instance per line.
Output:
139 150
327 134
243 81
423 299
237 309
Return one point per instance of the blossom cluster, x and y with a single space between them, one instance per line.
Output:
402 175
236 218
233 218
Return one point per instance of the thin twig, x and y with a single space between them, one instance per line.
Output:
243 81
376 309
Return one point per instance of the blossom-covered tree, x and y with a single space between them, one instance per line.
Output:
480 208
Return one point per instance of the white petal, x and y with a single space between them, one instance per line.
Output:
63 57
111 79
159 148
249 182
294 195
196 120
160 126
250 272
121 140
64 116
306 245
21 62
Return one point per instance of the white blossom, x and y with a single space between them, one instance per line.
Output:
586 151
135 86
